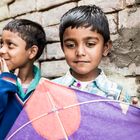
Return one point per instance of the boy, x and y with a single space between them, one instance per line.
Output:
22 42
85 39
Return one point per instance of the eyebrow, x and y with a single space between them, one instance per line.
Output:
86 38
9 40
69 39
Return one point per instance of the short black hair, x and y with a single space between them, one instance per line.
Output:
31 32
85 16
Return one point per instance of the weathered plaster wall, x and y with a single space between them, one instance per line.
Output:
123 63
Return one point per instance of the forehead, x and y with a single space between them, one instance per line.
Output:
7 34
81 33
12 36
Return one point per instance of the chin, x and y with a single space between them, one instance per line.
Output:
11 68
81 72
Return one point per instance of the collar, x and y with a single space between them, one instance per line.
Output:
68 79
32 85
101 81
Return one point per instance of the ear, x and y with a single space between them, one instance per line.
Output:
107 48
33 52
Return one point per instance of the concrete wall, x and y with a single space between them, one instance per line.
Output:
122 65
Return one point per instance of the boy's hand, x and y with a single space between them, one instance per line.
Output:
135 101
16 72
3 66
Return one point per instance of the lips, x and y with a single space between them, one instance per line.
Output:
6 60
81 61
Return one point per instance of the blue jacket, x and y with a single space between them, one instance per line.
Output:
12 100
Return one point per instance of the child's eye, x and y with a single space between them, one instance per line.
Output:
10 45
90 44
1 43
70 45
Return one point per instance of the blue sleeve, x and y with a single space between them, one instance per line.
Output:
7 86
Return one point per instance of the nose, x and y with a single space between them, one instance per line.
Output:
80 51
3 50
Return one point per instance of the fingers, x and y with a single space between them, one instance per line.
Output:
16 72
3 66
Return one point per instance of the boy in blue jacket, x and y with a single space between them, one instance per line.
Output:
22 42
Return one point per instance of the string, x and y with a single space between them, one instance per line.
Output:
55 110
58 109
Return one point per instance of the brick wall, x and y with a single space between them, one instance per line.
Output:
122 65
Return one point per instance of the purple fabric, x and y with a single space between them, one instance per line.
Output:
105 121
99 121
26 133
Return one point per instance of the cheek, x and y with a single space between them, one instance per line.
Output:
18 54
95 52
68 54
17 57
68 58
14 53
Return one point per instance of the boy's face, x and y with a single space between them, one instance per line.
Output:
83 51
13 50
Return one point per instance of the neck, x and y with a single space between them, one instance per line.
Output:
86 77
26 75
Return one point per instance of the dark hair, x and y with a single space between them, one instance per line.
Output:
31 32
85 16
